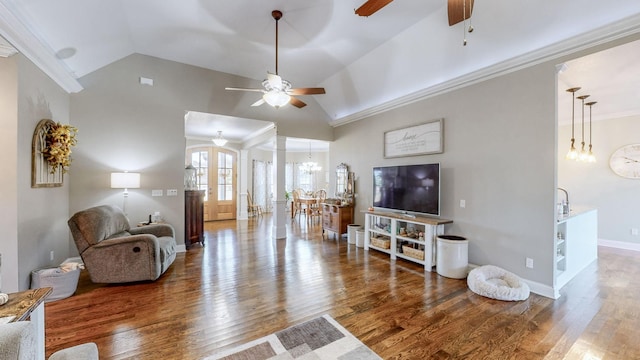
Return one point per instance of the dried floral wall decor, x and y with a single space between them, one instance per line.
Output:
51 153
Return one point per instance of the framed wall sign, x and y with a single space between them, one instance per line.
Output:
420 139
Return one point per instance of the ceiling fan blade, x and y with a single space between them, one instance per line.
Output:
371 6
297 102
306 91
275 81
258 103
243 89
459 10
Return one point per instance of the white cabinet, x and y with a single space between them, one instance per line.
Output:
576 245
406 237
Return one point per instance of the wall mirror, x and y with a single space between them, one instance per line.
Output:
342 178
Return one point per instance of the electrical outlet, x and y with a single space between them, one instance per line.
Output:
463 203
634 231
172 192
51 256
529 263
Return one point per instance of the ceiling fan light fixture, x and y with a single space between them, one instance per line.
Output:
276 98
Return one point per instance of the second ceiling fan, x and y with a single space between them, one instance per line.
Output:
277 91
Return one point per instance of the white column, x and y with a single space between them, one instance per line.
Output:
280 201
37 318
243 175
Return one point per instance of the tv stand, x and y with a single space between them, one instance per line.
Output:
398 235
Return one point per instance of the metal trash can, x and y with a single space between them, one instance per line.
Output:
351 233
452 256
360 238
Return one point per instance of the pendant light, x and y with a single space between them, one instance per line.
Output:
583 152
590 158
573 153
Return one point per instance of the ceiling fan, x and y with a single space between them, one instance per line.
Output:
371 6
277 91
459 10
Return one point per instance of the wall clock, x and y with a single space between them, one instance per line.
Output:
626 161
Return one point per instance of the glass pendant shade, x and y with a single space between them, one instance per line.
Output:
276 98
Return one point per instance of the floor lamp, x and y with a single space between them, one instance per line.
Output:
126 181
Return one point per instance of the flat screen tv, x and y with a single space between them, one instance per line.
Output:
413 189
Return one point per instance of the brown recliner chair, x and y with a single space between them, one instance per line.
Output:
113 252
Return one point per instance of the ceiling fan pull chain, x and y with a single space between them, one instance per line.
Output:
464 22
470 29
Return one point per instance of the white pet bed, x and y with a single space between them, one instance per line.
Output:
497 283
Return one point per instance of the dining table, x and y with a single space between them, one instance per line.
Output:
306 201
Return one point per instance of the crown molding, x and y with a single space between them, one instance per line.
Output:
605 34
16 33
7 50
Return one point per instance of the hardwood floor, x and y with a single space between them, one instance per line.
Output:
243 286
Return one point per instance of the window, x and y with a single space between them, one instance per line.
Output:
200 161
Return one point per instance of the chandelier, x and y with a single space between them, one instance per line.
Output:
310 166
219 140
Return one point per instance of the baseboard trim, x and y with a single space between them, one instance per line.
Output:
181 248
619 244
542 289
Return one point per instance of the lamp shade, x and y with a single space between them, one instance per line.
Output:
125 180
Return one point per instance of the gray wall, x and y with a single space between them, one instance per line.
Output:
42 212
499 156
9 182
33 220
596 185
127 126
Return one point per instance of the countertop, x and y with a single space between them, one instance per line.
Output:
575 211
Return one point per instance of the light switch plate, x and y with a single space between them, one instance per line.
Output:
156 192
172 192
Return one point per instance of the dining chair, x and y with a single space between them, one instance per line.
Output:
252 208
316 208
297 208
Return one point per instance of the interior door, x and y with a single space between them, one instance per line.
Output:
216 174
223 189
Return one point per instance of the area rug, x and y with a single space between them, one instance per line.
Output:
320 338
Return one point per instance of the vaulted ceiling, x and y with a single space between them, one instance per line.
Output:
404 51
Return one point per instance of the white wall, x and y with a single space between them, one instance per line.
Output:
596 185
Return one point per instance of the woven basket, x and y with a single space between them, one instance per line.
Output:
381 243
414 253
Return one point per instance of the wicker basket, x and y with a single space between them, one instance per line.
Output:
381 243
414 253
